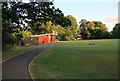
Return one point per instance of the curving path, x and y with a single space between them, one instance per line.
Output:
17 67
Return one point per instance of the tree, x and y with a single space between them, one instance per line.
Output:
100 25
42 28
94 29
64 33
74 27
116 31
69 35
61 33
99 33
16 14
107 35
44 12
86 28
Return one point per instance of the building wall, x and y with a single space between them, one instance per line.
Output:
35 41
45 38
27 41
31 41
49 38
39 39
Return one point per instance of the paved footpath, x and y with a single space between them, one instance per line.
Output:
17 67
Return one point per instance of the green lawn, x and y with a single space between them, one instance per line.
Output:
16 51
78 60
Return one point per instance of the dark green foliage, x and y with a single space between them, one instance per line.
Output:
13 40
62 37
100 25
93 30
64 33
45 12
116 31
61 33
41 28
86 27
36 14
73 29
69 32
107 35
99 33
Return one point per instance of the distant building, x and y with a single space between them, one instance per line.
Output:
37 39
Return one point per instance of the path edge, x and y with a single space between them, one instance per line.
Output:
19 54
32 61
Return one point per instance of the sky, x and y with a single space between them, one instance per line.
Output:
106 12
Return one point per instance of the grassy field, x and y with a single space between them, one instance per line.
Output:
78 60
16 51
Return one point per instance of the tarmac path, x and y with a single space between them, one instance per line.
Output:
17 67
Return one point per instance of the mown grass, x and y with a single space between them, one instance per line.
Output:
13 51
78 60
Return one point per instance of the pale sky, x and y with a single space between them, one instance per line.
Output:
86 0
78 0
107 12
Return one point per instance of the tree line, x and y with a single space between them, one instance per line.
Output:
21 20
98 30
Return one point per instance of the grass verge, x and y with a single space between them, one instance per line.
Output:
78 60
6 54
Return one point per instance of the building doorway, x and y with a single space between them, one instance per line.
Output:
51 39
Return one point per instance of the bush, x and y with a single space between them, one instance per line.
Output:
14 41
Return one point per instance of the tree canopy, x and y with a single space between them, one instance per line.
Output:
92 29
72 31
15 15
21 20
116 31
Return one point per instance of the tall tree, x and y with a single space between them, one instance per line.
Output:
116 31
74 26
86 28
16 14
94 29
99 33
100 25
